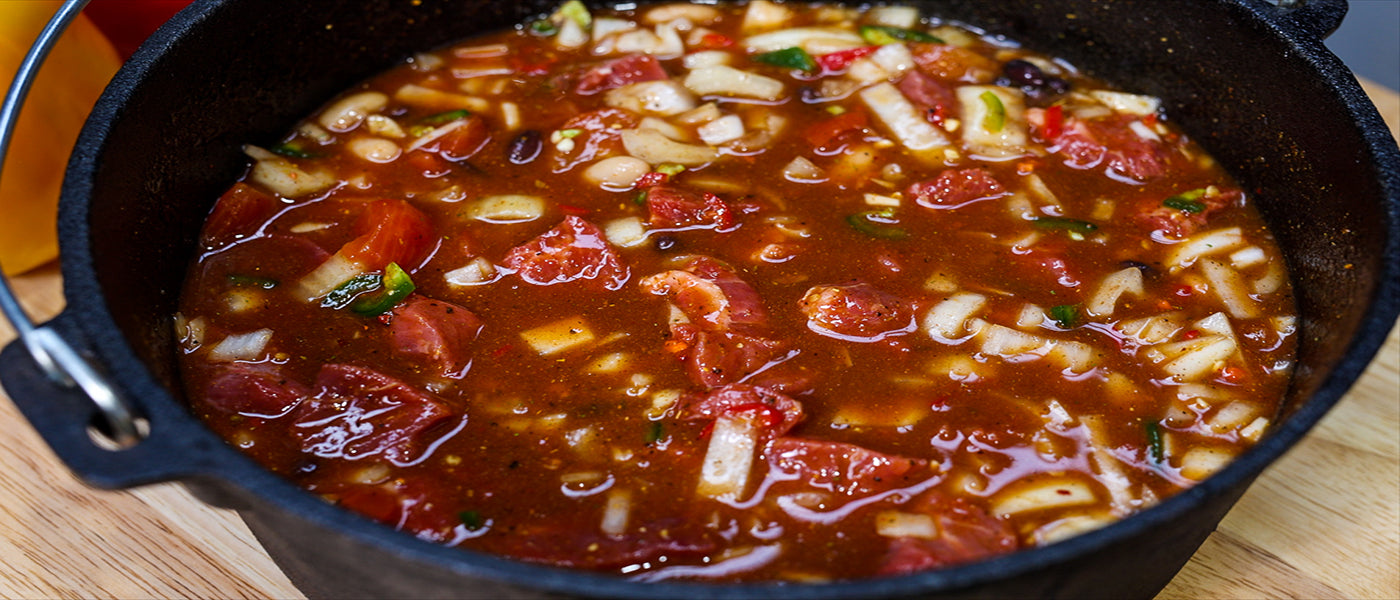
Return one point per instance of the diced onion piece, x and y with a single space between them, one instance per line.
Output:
1152 330
901 118
507 208
947 320
866 71
1229 288
571 34
606 26
616 173
627 232
1232 417
242 346
802 170
670 45
477 272
348 112
722 80
999 340
706 58
879 200
700 115
1133 104
243 299
960 367
1042 494
284 178
1077 357
867 416
762 15
510 115
1105 299
1111 472
699 14
664 98
1248 256
897 524
616 512
383 126
893 58
190 331
724 473
724 129
560 336
375 150
329 275
431 99
815 40
1255 429
655 148
1068 527
990 136
1201 462
1201 358
901 17
1272 280
1205 243
1030 316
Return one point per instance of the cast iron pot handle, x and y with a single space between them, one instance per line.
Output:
68 399
1314 19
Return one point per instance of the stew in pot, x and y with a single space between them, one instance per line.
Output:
738 292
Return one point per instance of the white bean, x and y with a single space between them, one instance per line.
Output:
375 150
616 173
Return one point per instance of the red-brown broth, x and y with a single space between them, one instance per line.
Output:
971 440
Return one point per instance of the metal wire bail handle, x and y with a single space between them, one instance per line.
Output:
58 359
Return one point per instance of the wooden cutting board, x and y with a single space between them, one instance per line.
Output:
1323 522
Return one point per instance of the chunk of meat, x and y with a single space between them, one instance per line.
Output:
575 250
932 98
856 312
781 412
1152 216
238 214
965 533
436 333
599 135
674 207
1109 142
843 468
390 231
712 296
358 412
466 137
956 188
615 73
951 63
714 358
254 389
573 547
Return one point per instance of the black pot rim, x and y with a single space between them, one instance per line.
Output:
233 471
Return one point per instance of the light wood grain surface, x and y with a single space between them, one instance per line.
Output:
1323 522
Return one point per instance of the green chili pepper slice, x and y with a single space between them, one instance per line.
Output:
445 117
1155 448
1066 315
996 112
345 293
395 286
1187 202
291 150
1076 228
543 27
875 223
790 58
881 35
654 432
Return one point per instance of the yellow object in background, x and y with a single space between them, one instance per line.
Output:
69 83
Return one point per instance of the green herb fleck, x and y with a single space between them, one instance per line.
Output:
881 35
877 223
790 58
566 134
654 432
1154 442
1187 202
1076 228
575 11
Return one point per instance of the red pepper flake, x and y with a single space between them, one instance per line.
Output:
1054 122
714 40
1183 291
1150 120
577 211
1191 334
1232 375
499 352
709 427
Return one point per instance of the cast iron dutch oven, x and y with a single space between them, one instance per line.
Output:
1249 79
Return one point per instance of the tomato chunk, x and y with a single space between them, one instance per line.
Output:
843 468
857 312
965 533
436 333
674 207
239 213
358 412
782 411
390 231
1110 142
575 250
633 68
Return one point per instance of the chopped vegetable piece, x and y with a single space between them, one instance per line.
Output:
1076 228
395 286
1066 315
654 432
837 61
1054 122
543 27
1187 202
881 35
575 11
343 295
470 519
1154 442
790 58
876 223
670 169
443 118
291 150
996 112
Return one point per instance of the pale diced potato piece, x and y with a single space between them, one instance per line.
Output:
560 336
608 363
507 208
1105 299
901 118
724 473
947 320
721 80
1201 462
897 524
1041 494
349 112
627 232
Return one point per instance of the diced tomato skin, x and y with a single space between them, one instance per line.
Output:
434 332
254 389
574 250
358 412
615 73
239 213
856 311
955 188
842 468
391 231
